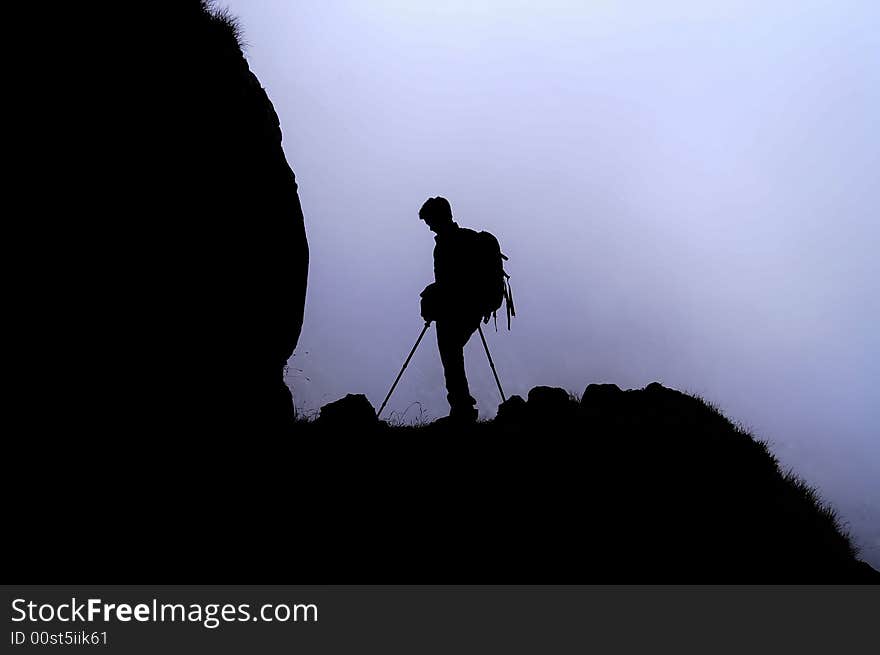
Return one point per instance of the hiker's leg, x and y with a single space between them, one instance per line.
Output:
451 339
465 331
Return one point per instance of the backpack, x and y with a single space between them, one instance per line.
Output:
492 281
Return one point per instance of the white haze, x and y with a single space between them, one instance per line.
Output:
687 191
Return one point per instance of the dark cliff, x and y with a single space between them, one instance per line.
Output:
239 246
166 259
192 258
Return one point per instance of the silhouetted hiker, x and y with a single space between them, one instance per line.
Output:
469 285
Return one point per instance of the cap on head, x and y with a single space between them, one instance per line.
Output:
436 209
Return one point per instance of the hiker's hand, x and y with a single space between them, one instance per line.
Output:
486 318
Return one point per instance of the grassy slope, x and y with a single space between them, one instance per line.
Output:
639 486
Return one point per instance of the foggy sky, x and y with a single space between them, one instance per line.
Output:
687 191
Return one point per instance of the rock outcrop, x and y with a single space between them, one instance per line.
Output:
171 260
201 256
353 412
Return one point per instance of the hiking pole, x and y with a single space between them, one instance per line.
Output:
411 353
492 364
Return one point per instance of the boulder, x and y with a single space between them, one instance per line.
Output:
548 403
593 390
511 411
189 316
353 411
601 395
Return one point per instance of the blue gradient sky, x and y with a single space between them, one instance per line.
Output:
688 192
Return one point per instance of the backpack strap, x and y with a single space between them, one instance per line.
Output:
508 299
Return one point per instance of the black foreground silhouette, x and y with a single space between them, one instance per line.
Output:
193 258
175 271
176 456
639 486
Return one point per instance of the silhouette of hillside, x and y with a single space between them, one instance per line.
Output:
648 485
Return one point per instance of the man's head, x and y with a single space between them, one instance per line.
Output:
437 213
